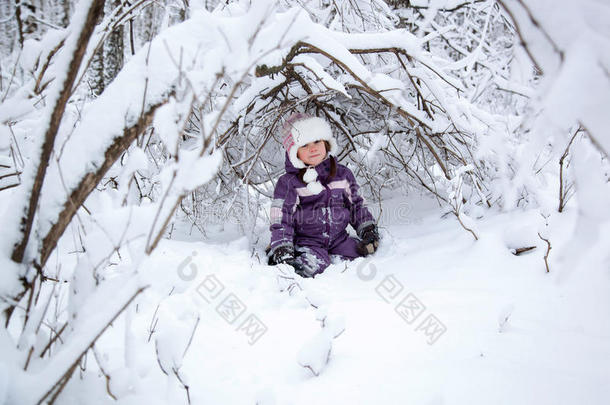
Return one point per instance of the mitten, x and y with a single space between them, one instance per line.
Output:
369 240
283 254
300 269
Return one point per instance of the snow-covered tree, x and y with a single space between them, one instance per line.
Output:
426 96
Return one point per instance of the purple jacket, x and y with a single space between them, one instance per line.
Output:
300 218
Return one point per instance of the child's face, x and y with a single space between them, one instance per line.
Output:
313 153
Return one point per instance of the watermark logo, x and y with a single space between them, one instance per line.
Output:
389 288
187 273
253 327
410 308
366 273
231 308
210 288
432 328
228 305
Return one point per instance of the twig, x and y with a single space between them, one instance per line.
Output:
457 215
186 387
563 195
12 77
106 375
153 323
53 339
521 250
191 338
548 251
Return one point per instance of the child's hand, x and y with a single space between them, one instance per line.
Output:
300 269
370 240
283 254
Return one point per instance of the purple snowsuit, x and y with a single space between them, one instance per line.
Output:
315 224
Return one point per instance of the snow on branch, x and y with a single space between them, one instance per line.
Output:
212 91
90 179
171 64
75 47
93 320
342 50
571 50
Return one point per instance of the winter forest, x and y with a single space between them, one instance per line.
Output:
140 147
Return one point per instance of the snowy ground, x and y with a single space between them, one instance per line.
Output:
509 333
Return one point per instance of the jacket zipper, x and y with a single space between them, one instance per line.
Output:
327 216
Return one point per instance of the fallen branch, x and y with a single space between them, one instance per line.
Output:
521 250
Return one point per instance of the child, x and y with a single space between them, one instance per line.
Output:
315 201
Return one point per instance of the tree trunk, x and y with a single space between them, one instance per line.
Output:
65 18
19 15
113 48
96 80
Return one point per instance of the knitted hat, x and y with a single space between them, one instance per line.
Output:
301 129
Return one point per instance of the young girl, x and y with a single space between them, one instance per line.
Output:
315 201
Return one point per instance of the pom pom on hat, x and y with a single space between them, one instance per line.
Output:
315 187
310 177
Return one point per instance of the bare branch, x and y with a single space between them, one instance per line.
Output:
548 251
563 193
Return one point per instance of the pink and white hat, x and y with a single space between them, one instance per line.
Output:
301 129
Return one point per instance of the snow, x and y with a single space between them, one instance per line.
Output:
319 72
572 100
418 322
150 76
570 41
61 67
186 59
169 123
94 316
3 382
437 4
316 352
524 335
